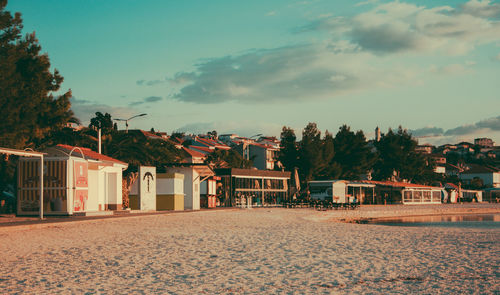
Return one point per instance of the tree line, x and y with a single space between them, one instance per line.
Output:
348 155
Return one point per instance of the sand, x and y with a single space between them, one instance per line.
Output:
248 251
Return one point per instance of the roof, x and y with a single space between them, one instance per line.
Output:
251 172
211 142
202 149
398 184
193 153
451 185
264 146
478 169
89 154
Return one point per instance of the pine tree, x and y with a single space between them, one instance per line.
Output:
28 108
399 160
310 152
352 153
288 153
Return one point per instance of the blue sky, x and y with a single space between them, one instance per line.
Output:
251 67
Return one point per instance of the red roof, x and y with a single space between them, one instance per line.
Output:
151 135
193 153
88 153
397 184
211 142
202 149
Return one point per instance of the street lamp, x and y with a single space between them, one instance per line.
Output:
126 120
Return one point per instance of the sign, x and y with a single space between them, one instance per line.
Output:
81 174
81 182
147 188
80 200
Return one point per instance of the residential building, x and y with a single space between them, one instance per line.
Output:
425 148
484 142
489 175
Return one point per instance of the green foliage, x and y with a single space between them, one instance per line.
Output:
102 121
398 158
352 153
28 109
289 153
227 159
310 152
83 138
136 150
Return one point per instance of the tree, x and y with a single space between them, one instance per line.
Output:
227 159
288 155
352 153
28 108
102 121
138 150
310 152
212 134
398 158
329 169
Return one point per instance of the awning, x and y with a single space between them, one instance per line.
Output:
204 170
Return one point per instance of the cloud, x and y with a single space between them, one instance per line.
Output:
368 2
85 110
242 128
485 128
352 58
397 27
482 8
497 57
461 130
491 123
452 69
150 82
287 74
149 99
427 131
271 13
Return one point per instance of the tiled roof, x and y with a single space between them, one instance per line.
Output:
202 149
193 153
211 142
88 153
397 184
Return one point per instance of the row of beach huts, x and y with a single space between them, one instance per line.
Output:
79 181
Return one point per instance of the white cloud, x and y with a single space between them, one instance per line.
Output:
85 110
403 27
362 52
242 128
271 13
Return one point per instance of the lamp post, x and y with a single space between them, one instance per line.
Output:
126 120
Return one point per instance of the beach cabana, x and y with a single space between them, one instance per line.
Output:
194 174
76 181
390 192
252 187
342 191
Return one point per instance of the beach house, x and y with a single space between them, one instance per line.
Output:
76 181
252 187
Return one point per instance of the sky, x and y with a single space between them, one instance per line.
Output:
251 67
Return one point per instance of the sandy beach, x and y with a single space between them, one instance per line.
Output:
248 251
